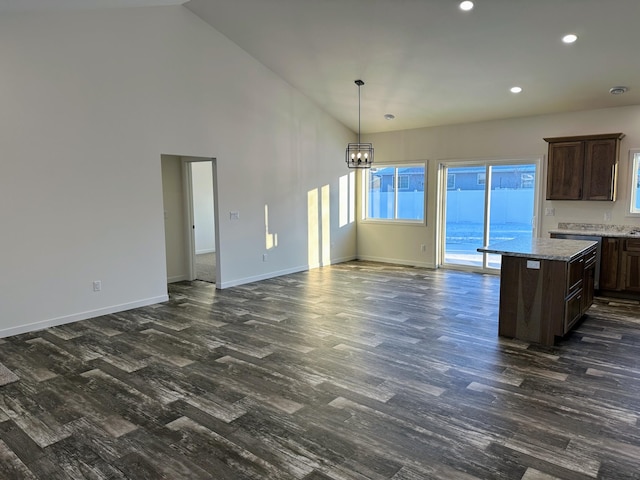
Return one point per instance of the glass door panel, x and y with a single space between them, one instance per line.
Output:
511 205
486 204
464 216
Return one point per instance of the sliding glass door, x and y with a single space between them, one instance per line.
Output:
485 203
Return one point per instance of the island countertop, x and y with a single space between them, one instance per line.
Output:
540 248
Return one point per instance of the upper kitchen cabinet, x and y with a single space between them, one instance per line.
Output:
583 167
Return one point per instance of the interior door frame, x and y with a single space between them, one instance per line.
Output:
187 179
442 203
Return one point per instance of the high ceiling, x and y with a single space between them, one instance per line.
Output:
426 61
30 5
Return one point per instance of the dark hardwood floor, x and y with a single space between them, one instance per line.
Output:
355 371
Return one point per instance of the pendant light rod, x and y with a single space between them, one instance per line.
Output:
359 83
359 155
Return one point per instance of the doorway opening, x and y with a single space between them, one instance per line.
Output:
202 207
482 203
191 221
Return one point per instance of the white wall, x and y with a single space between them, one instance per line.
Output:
504 139
204 218
90 100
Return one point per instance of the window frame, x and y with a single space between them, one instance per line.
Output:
366 180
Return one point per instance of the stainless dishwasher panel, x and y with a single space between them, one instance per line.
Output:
596 283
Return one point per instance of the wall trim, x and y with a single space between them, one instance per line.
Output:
279 273
177 278
397 261
55 322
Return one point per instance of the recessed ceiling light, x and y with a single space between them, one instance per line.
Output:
515 89
389 116
570 38
618 90
466 5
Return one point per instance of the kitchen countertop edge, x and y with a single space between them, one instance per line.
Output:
594 233
540 248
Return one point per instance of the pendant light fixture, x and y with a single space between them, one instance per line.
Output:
359 155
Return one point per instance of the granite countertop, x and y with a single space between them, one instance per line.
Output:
597 230
540 248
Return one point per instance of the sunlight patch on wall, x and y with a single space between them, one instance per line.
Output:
352 197
313 229
326 225
271 239
347 202
319 226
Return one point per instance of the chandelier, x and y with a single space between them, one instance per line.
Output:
359 155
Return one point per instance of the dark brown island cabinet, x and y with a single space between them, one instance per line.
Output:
546 289
620 266
583 167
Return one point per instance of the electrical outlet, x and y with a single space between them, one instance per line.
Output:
264 257
549 212
97 285
607 216
423 248
234 215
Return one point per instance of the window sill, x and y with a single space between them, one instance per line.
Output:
384 221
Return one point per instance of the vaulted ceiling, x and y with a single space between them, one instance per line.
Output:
426 61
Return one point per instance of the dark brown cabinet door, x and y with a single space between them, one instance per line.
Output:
631 266
609 263
600 164
583 167
565 175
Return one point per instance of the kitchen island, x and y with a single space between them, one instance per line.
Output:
546 286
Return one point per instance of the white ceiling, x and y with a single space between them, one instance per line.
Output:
426 61
429 63
30 5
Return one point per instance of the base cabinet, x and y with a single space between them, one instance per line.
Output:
630 262
620 266
610 263
542 299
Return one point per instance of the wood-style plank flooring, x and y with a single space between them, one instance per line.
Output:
355 371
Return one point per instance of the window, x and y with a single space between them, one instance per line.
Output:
395 192
527 180
635 182
451 181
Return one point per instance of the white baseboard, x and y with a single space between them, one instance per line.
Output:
279 273
177 278
206 250
257 278
397 261
55 322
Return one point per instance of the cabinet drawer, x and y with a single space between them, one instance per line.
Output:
632 244
575 274
590 258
